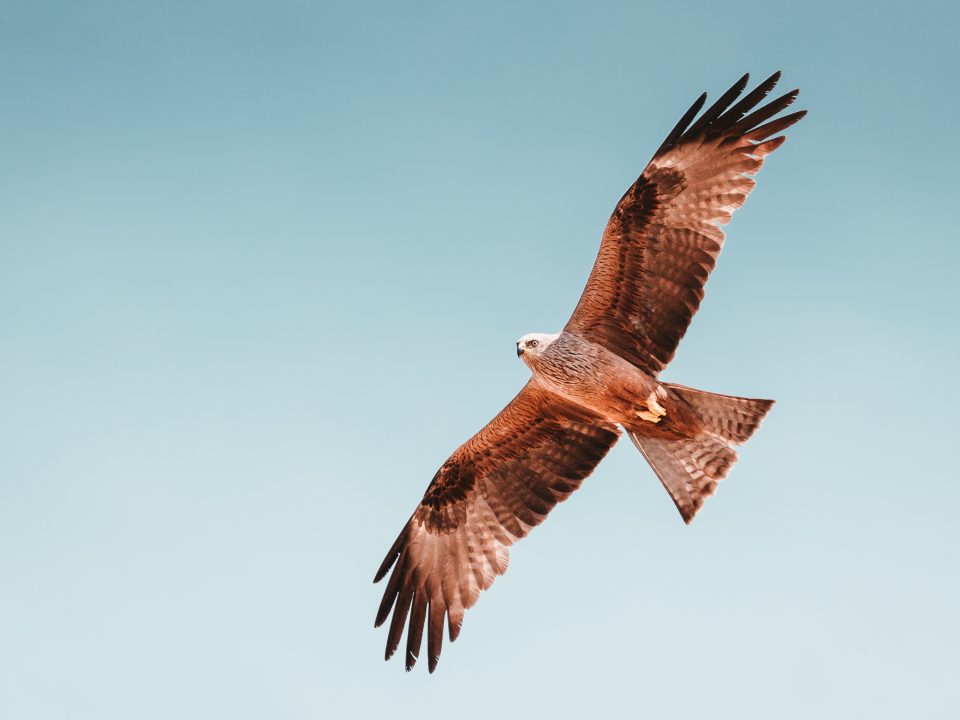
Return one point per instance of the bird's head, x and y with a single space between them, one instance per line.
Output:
530 347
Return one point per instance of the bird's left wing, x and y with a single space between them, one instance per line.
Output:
487 495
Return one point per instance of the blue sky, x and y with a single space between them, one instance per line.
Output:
261 270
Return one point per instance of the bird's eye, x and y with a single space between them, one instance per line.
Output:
534 343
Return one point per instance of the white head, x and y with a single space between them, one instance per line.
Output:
531 346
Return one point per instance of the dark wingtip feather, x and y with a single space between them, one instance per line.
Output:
392 556
774 126
418 616
724 119
385 566
435 621
750 100
767 111
453 629
681 125
389 595
399 620
722 103
738 87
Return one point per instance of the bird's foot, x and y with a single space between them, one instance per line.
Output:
653 412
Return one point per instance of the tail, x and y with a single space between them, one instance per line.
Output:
690 467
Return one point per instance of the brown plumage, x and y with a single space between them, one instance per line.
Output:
663 239
597 375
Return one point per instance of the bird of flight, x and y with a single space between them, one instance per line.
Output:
597 375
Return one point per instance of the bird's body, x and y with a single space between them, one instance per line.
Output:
593 377
597 378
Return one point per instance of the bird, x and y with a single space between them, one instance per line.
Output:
598 378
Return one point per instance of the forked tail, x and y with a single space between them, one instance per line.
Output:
691 467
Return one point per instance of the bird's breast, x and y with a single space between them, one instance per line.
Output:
593 377
576 370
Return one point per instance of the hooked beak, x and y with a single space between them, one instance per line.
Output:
519 349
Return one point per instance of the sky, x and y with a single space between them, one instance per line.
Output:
262 268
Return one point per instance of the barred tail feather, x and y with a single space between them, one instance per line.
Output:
691 467
729 417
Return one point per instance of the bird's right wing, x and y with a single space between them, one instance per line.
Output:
663 238
488 494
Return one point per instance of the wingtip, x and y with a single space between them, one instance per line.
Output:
385 566
787 99
392 555
767 86
697 105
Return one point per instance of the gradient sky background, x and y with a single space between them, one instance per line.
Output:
262 267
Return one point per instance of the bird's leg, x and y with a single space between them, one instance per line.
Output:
653 412
656 407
